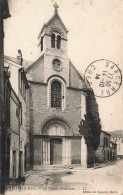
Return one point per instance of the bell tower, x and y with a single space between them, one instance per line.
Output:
53 35
53 46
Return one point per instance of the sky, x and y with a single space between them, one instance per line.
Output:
95 32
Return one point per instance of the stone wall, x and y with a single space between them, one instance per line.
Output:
39 112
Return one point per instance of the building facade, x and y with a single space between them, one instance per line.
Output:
103 151
56 101
18 131
4 14
113 151
107 150
119 141
12 117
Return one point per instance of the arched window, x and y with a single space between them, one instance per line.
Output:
53 40
41 43
58 42
56 94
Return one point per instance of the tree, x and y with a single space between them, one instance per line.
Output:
90 128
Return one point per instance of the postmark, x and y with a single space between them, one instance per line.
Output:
104 77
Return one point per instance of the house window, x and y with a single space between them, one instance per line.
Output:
21 144
53 40
22 85
21 115
8 105
17 112
106 141
41 43
58 42
56 94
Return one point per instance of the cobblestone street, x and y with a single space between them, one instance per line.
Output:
108 179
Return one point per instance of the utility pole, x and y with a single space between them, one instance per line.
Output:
4 14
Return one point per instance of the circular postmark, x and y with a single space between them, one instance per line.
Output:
104 76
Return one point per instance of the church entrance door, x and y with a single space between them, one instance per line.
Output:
55 151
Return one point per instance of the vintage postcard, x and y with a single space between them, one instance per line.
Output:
63 66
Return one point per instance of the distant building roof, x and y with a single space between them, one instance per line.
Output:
106 132
116 134
25 64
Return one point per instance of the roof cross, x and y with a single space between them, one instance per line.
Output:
56 7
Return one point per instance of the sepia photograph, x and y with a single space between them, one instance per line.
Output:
61 97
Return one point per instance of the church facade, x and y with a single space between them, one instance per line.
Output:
56 101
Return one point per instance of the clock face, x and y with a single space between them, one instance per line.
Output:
57 65
104 77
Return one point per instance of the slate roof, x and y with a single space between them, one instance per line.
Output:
26 63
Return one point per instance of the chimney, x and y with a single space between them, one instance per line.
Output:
19 57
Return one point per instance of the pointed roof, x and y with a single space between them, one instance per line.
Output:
56 15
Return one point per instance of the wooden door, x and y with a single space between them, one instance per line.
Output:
55 151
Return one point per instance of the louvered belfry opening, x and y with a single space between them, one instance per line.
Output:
58 42
53 40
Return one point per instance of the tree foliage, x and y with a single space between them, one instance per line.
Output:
90 128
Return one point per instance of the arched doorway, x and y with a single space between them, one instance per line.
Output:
56 143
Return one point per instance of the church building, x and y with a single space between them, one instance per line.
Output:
56 101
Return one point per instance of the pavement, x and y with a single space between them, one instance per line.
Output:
102 179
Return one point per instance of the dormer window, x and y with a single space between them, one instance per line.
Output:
41 43
58 42
53 40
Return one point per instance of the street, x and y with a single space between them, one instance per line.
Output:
105 180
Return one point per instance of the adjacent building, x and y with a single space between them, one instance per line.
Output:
18 134
119 141
12 117
4 14
113 151
107 150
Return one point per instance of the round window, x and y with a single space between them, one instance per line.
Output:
57 65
